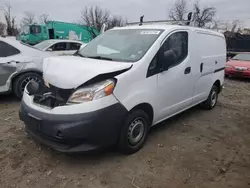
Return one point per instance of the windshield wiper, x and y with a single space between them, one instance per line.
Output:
100 57
94 57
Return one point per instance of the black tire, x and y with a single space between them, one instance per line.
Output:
134 118
212 99
20 82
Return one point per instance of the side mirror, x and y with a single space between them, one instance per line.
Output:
167 59
49 50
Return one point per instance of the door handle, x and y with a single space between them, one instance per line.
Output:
201 67
187 70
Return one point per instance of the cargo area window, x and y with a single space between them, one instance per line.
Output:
7 50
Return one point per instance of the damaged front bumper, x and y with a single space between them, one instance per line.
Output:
78 132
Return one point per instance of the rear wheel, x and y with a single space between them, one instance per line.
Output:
21 81
212 99
134 132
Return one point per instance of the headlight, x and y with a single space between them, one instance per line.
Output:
92 92
229 67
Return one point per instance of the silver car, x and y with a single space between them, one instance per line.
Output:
19 64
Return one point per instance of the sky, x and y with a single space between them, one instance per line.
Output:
69 10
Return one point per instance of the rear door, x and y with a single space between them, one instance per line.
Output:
8 60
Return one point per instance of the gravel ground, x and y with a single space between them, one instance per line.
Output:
197 148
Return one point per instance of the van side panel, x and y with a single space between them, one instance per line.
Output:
211 52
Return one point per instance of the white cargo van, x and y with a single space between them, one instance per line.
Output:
121 84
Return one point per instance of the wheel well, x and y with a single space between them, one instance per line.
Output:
218 85
146 108
22 73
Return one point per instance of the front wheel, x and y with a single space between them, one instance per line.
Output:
134 132
212 99
21 81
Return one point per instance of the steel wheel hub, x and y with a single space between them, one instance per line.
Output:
136 131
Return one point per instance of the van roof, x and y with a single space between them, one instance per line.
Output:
171 27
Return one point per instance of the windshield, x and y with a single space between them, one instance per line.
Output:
35 29
242 57
27 45
128 45
44 44
25 29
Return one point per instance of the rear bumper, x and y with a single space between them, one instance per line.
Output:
83 132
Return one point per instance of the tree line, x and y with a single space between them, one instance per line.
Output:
90 15
97 16
204 17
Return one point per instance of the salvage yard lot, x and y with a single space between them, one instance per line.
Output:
197 148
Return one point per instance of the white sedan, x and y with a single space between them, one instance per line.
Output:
60 46
19 64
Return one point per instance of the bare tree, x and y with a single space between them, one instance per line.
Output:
204 15
215 25
10 21
29 18
116 21
234 25
179 10
44 18
2 28
94 16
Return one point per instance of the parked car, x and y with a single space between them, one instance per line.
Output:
239 66
19 63
60 47
121 84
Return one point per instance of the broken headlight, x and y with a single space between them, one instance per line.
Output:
92 92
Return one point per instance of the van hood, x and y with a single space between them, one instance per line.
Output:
70 72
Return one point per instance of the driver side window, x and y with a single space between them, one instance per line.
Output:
175 51
176 46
